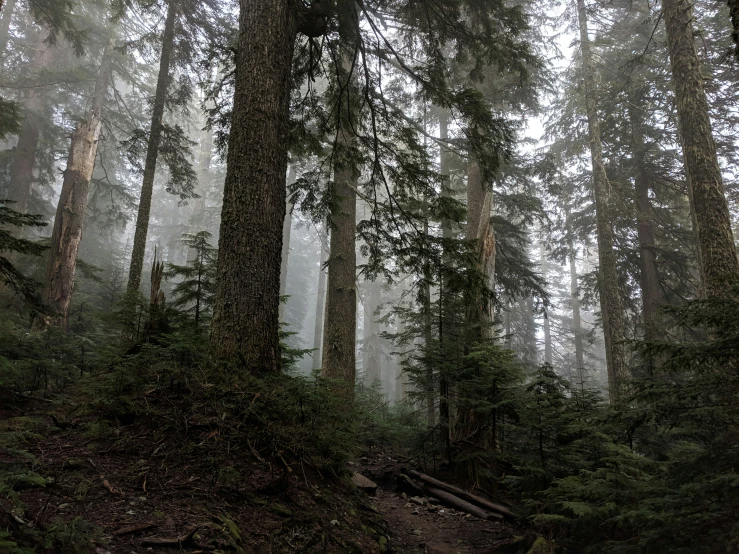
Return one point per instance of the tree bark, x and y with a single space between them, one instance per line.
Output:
651 291
339 338
610 299
286 231
734 13
70 211
717 252
576 320
371 357
7 16
245 324
320 306
152 151
548 354
446 231
479 228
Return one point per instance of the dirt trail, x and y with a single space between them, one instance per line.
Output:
429 529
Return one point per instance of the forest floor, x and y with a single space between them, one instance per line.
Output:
76 486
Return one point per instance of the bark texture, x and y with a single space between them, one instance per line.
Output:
480 229
320 306
245 326
576 318
717 253
548 350
152 152
286 232
70 211
610 299
371 347
339 338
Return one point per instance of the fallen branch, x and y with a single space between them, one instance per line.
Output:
458 504
133 529
177 542
461 493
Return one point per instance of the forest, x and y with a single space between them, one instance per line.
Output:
369 276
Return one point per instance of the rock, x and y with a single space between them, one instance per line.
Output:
404 496
334 522
417 532
361 482
63 506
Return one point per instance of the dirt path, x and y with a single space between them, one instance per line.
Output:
429 528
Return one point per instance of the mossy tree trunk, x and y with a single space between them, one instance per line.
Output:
245 325
717 253
152 151
610 299
70 211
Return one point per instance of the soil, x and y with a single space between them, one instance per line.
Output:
150 489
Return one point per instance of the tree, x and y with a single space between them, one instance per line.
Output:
717 257
70 211
152 149
610 298
194 293
245 315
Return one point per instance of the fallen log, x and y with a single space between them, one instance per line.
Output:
410 484
459 504
463 494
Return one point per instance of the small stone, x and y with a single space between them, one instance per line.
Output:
418 500
414 512
404 496
334 522
417 532
63 506
408 505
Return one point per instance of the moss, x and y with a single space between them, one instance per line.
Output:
542 546
382 543
280 510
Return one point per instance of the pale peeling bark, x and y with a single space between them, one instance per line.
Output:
70 211
480 229
717 253
152 152
245 325
339 337
320 306
610 299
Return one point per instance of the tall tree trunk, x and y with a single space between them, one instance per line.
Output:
610 299
576 320
24 159
428 339
734 12
371 358
7 16
446 231
198 219
717 253
548 354
320 306
245 324
286 231
70 211
152 151
479 228
339 338
530 346
651 291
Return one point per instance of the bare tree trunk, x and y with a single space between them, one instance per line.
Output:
24 159
548 354
576 321
610 299
717 253
479 228
7 16
245 324
70 211
286 231
530 346
446 230
152 151
320 306
339 339
652 296
372 365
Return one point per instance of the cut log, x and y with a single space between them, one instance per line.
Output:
457 503
405 482
463 494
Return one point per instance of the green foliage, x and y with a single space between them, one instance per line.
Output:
196 290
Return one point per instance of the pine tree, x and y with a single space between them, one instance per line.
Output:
716 250
195 291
